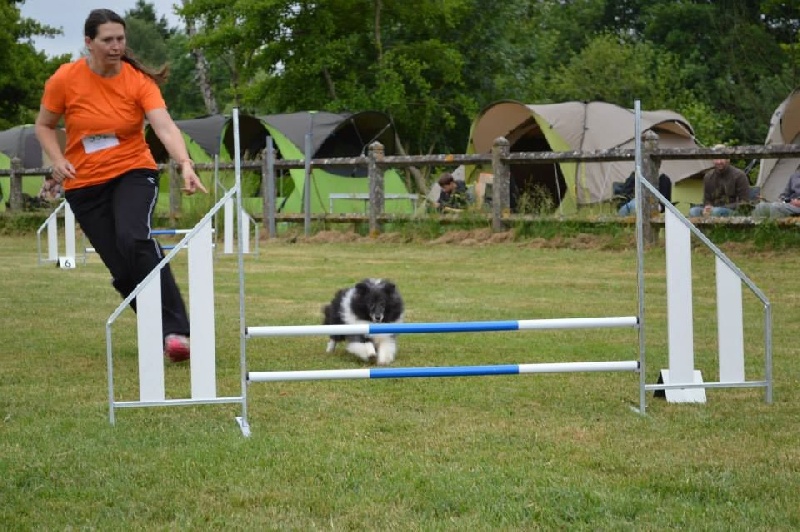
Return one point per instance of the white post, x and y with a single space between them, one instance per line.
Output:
679 314
52 239
730 324
201 311
228 220
151 342
69 232
245 236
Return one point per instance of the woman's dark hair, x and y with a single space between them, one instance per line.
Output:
104 16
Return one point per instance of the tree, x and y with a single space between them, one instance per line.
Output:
146 12
432 65
344 55
23 69
613 69
183 90
146 41
156 44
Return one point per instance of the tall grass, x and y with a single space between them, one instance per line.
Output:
505 453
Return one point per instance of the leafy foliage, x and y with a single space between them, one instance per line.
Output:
433 65
23 70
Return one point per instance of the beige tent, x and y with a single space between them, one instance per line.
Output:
583 126
784 128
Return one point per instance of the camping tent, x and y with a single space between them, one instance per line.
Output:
583 126
202 136
331 135
784 128
21 142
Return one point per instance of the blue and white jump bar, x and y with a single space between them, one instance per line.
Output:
446 371
445 327
156 232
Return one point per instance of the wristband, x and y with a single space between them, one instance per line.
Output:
184 161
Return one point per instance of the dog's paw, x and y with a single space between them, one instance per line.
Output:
386 353
384 360
331 346
365 351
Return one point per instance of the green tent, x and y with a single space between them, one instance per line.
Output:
332 135
202 137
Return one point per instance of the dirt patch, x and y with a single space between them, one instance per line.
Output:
331 237
485 236
474 237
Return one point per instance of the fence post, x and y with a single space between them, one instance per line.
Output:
501 187
268 188
376 196
650 168
15 189
175 185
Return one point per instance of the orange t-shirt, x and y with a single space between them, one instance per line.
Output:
104 120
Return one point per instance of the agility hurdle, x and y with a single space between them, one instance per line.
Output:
202 336
152 386
682 382
366 329
247 221
51 224
729 278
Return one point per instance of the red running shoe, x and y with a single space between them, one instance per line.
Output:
176 347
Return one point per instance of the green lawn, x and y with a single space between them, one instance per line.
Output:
503 453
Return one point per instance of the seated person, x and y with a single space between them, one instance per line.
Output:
51 190
627 190
453 195
725 188
788 203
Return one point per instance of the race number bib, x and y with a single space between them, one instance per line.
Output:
95 143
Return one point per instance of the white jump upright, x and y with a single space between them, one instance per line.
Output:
682 382
67 260
202 334
202 337
730 323
680 319
248 225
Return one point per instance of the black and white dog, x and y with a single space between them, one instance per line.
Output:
369 301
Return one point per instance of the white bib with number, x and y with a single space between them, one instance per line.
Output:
95 143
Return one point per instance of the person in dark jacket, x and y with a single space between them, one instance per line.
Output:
725 188
627 190
788 203
453 193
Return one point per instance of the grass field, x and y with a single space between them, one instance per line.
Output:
496 453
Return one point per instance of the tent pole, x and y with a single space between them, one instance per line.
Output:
558 190
307 187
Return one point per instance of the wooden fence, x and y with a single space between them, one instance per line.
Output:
377 162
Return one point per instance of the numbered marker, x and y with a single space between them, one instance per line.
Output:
66 262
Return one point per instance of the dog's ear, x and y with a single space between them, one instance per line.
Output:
362 287
389 287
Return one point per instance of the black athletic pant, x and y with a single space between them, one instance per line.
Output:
115 217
